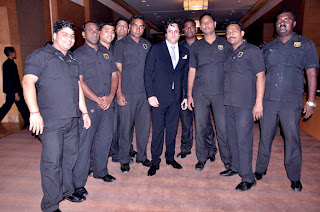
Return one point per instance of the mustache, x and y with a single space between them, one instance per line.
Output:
232 37
282 25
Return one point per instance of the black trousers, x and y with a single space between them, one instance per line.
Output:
60 142
186 117
95 143
164 117
114 149
289 115
202 104
240 138
135 114
21 105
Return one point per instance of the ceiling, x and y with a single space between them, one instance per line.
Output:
157 11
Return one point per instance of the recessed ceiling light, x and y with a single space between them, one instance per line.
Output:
239 1
147 5
155 13
232 11
227 19
144 1
158 16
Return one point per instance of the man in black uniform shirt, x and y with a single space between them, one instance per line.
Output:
205 89
286 57
130 54
186 116
53 95
243 94
122 29
99 81
12 87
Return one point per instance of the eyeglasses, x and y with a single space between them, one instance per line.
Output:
285 20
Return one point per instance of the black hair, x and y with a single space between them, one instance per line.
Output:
288 10
84 24
102 24
137 17
189 20
60 24
121 19
171 21
8 50
237 23
207 14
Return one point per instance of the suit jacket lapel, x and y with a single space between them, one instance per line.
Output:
181 54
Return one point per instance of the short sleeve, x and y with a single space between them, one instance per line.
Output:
118 52
193 58
311 56
34 64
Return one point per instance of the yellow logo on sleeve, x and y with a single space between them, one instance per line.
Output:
220 47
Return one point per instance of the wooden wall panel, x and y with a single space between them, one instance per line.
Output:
101 13
311 22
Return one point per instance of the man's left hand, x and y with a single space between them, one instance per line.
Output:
184 104
257 111
86 121
16 97
308 111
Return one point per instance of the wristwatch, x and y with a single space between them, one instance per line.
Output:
312 104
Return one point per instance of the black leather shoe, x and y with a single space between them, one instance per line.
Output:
211 158
76 198
174 164
125 167
115 160
244 186
296 185
132 154
183 154
228 173
58 210
146 163
200 165
259 175
82 191
109 178
153 170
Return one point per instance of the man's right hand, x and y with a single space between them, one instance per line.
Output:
121 99
16 97
36 123
153 101
190 103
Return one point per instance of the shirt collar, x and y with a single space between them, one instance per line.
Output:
169 45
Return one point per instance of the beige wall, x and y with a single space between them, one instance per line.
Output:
9 36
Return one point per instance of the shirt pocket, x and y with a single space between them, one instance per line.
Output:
294 57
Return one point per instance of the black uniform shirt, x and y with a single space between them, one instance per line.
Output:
132 55
241 68
57 85
11 80
285 64
208 60
96 67
187 45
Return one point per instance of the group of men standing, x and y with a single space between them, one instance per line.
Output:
116 85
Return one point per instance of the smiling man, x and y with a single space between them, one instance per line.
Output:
243 94
165 77
286 57
53 95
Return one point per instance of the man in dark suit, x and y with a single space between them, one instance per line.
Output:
12 87
165 78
